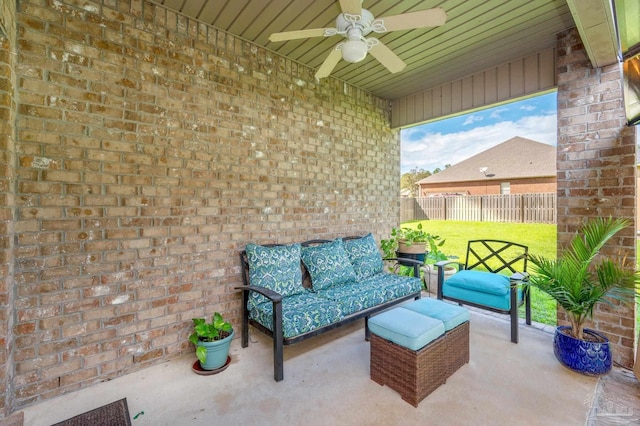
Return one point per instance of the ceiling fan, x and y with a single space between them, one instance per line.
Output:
354 23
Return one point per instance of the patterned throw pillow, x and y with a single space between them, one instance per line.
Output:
276 268
328 264
364 256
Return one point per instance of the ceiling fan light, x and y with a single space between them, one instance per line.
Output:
354 50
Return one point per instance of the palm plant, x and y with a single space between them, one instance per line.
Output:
579 278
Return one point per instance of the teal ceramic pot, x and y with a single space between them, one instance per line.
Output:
590 358
217 352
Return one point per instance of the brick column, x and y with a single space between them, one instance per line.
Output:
7 177
596 169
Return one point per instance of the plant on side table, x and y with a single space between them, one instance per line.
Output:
579 279
407 243
212 341
410 243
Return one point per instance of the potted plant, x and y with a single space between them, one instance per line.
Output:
410 243
212 341
579 279
406 243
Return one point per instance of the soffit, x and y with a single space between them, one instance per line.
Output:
595 23
478 35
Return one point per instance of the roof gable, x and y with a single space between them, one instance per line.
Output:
515 158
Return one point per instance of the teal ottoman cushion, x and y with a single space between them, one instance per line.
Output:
451 315
406 328
480 281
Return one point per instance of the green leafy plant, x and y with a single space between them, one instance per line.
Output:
435 253
410 236
217 329
581 277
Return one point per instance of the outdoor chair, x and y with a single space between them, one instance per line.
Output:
491 278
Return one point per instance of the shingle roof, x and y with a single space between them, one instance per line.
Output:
516 158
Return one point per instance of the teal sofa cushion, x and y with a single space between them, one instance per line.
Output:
301 313
451 315
276 268
328 264
364 256
375 290
406 328
354 297
480 281
395 286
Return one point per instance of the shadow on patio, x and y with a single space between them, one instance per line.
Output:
327 383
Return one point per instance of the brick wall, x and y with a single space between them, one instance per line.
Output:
596 169
151 150
7 179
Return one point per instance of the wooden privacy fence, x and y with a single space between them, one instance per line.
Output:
530 208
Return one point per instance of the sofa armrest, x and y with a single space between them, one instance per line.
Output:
268 293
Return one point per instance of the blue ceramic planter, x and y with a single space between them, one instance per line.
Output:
590 358
217 352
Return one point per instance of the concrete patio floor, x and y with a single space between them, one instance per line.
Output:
327 383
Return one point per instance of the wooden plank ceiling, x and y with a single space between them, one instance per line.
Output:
478 35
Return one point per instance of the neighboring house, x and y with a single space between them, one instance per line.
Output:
405 193
516 166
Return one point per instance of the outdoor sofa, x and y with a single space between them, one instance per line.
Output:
296 291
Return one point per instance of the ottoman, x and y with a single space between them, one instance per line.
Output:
408 353
456 325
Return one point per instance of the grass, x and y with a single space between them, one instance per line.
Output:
540 238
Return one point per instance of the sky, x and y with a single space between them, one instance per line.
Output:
455 139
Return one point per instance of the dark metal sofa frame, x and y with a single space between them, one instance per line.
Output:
279 341
495 256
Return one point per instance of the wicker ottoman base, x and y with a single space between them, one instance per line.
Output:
413 374
457 347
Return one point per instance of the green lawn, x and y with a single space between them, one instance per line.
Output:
540 238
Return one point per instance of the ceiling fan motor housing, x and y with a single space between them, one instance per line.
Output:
346 22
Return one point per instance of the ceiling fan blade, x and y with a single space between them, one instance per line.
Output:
421 19
390 60
353 7
294 35
329 64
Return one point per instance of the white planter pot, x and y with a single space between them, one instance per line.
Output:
430 277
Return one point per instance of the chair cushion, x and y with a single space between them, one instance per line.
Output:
502 302
451 315
276 268
480 281
406 328
364 256
328 264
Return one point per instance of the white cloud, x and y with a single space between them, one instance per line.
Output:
497 113
433 150
471 119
